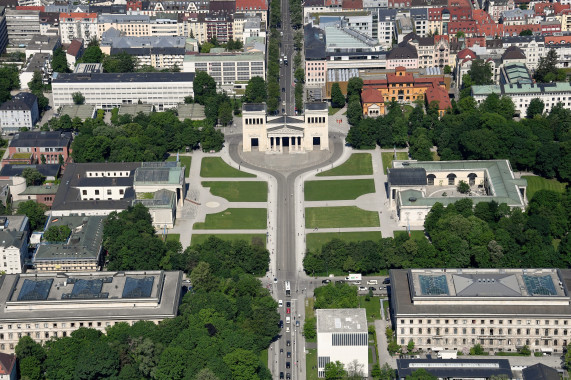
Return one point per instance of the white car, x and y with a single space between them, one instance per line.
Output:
287 329
281 303
372 282
356 283
362 289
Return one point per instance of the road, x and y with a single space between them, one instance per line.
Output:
286 74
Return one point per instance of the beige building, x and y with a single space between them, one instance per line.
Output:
53 305
500 309
280 134
77 25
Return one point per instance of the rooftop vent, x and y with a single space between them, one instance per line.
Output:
412 199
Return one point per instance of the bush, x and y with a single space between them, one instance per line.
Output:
525 351
477 350
538 354
57 234
463 187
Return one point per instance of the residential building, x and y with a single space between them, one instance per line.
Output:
253 8
49 23
532 46
499 309
518 16
14 237
3 30
42 44
342 335
106 90
19 112
550 93
458 369
496 7
40 62
21 26
74 52
77 25
402 55
415 186
51 145
386 27
53 305
80 252
205 26
50 171
44 194
8 368
432 51
273 134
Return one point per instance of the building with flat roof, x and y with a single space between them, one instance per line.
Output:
50 171
415 186
342 335
43 194
21 26
81 252
192 111
500 309
456 368
82 111
134 109
49 144
39 62
42 44
110 90
19 112
53 305
3 29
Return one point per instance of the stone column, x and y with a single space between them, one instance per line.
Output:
271 144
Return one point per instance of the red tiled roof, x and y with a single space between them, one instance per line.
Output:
466 54
77 15
74 47
7 363
481 16
557 40
439 95
460 13
370 95
352 4
465 26
490 30
439 37
31 8
405 78
515 30
478 41
252 4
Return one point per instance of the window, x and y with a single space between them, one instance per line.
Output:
96 192
108 191
84 192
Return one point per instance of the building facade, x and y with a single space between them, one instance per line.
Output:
77 25
49 144
21 26
19 112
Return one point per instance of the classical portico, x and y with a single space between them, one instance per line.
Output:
284 134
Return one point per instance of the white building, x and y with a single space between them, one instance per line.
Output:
42 44
342 335
107 91
19 112
14 234
77 25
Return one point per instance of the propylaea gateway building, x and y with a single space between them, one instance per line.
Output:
500 309
285 134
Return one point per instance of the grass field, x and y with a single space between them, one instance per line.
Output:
373 307
245 191
357 164
235 219
338 217
386 306
334 190
311 364
316 241
389 156
184 160
264 357
172 237
414 234
535 183
215 167
201 238
333 111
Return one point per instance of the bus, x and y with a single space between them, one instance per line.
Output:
288 289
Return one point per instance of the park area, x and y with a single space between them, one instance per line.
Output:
250 238
235 219
535 183
215 167
334 190
317 240
340 217
184 160
388 158
357 164
414 234
239 191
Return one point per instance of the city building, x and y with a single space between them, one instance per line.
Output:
273 134
342 335
77 25
44 194
42 44
14 234
3 29
107 90
74 52
40 62
386 26
21 26
49 144
415 186
50 171
49 23
8 367
19 112
500 309
540 371
458 369
81 252
402 55
53 305
432 51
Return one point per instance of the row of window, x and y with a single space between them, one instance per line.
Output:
491 342
546 322
109 192
483 331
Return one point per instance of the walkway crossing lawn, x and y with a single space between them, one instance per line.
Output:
184 160
235 219
535 183
339 217
388 158
244 191
201 238
317 240
357 164
414 234
335 190
215 167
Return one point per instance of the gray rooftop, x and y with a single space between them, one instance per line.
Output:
38 62
13 238
253 107
317 106
41 190
134 109
122 77
456 368
83 111
161 199
43 42
152 173
24 101
41 139
192 111
341 320
224 57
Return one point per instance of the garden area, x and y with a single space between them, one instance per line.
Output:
357 164
414 234
250 238
334 190
340 217
235 219
215 167
317 240
242 191
535 183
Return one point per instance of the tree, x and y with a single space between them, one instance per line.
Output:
526 32
201 277
43 102
59 61
525 351
447 69
385 373
547 70
243 364
92 54
460 34
256 90
57 234
204 87
337 98
30 368
78 98
310 328
27 347
225 113
97 360
335 371
298 40
477 350
35 213
410 346
36 84
463 187
480 72
421 374
354 87
354 111
211 139
535 107
119 63
33 177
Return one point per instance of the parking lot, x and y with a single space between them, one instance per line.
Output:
378 284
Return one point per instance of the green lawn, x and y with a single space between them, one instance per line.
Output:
386 306
535 183
357 164
264 357
235 219
389 156
338 217
201 238
172 237
309 312
334 190
184 160
333 111
414 234
215 167
311 364
317 240
244 191
373 307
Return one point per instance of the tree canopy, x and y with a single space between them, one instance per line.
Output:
547 70
256 91
33 177
35 213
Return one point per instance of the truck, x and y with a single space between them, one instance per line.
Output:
353 277
448 354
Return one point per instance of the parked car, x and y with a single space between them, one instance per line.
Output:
387 281
288 304
372 282
325 281
288 343
372 288
288 310
356 283
281 375
281 324
288 376
362 289
280 303
289 354
287 329
288 365
296 323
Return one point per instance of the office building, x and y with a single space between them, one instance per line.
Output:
457 369
21 26
42 44
3 30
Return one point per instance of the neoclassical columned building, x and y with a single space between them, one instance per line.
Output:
285 134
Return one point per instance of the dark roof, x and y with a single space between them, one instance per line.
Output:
316 106
251 107
429 3
68 197
12 170
313 3
403 50
422 41
455 368
122 77
513 52
149 50
540 372
113 8
222 6
407 176
75 47
9 3
41 139
314 43
7 363
21 101
49 17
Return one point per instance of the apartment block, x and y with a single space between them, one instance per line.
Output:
77 25
21 25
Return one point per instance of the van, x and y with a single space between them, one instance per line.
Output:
288 320
372 282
